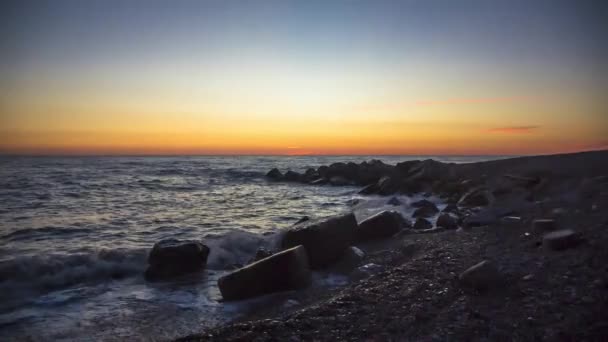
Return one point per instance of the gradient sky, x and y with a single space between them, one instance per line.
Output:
283 77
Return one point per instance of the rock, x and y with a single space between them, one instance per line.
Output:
325 239
387 185
424 204
303 219
310 175
425 212
429 170
286 270
260 254
169 258
526 182
450 208
422 223
543 225
378 226
338 181
290 303
447 221
560 240
366 271
350 260
318 181
476 198
369 189
511 219
394 201
370 172
292 176
481 276
274 174
404 168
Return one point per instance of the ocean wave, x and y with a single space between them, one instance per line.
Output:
236 248
26 233
52 271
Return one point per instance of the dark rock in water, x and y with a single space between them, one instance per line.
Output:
429 170
387 186
286 270
560 240
325 239
350 260
423 203
261 253
405 167
303 219
450 208
310 175
425 211
369 189
274 174
394 201
447 221
292 176
169 258
481 276
370 172
381 225
476 198
339 181
422 223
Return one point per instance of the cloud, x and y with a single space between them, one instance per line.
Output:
514 129
474 100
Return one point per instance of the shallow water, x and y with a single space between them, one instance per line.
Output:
75 233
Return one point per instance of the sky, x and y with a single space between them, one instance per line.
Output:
306 77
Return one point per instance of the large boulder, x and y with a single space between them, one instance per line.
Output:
339 181
422 224
292 176
387 185
350 260
378 226
370 172
447 221
274 174
170 258
310 175
477 197
325 239
429 170
286 270
427 211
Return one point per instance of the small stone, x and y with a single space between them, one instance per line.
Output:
511 219
481 276
560 240
528 277
543 225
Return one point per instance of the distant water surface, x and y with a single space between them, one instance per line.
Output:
75 233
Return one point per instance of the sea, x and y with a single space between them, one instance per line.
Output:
75 233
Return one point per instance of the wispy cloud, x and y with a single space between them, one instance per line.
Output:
474 100
514 129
